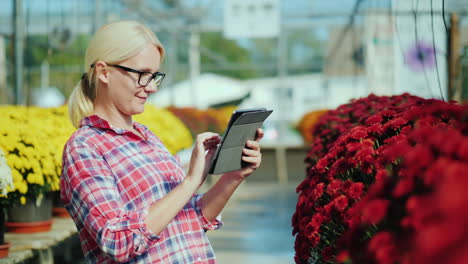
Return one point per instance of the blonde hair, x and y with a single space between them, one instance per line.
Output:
112 43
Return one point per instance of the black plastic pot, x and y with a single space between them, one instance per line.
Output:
2 226
31 211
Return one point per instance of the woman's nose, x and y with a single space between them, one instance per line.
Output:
151 87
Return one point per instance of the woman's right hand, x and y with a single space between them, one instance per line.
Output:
203 151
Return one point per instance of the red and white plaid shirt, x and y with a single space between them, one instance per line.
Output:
110 177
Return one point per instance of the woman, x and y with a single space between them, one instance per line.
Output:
129 197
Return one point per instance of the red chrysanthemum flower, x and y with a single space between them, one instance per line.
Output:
341 203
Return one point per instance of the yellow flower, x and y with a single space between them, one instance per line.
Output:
17 177
22 187
33 138
172 132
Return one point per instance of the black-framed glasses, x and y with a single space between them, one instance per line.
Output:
144 77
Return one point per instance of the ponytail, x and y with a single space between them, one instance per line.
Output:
80 103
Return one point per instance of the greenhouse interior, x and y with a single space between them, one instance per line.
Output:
306 131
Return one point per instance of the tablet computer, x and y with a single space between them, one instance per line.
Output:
242 126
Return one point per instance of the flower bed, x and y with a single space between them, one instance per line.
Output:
336 122
348 162
417 214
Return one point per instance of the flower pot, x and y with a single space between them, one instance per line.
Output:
58 209
4 250
60 212
34 216
2 226
4 247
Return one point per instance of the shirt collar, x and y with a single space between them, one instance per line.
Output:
95 121
98 122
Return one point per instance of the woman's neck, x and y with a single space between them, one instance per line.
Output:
115 118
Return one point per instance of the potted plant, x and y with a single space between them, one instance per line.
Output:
353 191
6 183
31 139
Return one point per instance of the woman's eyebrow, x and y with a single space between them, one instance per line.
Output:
146 69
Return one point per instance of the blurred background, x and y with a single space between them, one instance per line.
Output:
291 56
296 57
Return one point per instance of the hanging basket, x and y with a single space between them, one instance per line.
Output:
34 216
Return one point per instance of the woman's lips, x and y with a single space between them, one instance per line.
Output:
142 98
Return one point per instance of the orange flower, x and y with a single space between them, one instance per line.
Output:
307 123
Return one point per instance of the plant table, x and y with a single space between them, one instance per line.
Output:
24 246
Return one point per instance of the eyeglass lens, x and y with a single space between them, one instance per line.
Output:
146 78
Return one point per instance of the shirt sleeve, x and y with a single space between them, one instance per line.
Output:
95 203
206 225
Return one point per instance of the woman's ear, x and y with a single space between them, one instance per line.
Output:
102 72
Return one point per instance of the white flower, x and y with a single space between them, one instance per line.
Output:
6 178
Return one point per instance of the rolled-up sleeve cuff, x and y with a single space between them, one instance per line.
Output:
207 225
143 238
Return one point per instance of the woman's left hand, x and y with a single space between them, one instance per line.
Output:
252 155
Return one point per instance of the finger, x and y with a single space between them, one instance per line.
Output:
253 160
260 134
215 138
253 145
206 135
210 154
208 139
251 152
212 142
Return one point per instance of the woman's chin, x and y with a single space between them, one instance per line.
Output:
136 110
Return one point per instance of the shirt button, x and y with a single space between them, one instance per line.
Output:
172 178
112 228
199 259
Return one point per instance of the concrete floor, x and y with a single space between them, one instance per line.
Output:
257 225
